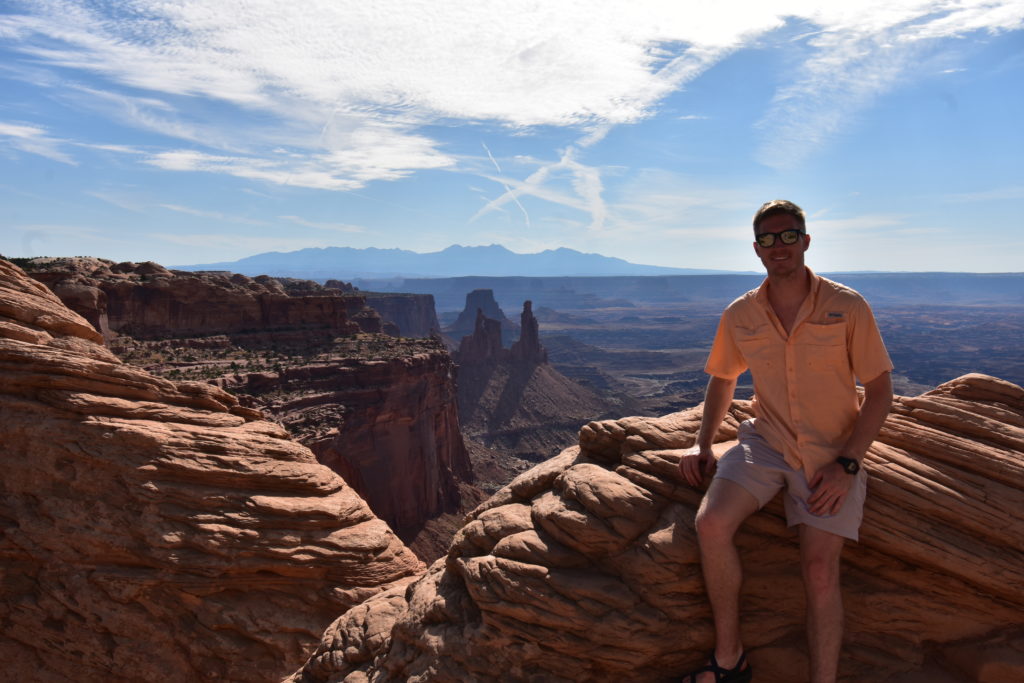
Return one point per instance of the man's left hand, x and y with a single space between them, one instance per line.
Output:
830 486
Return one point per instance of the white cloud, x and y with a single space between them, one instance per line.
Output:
995 194
34 140
863 51
857 225
334 227
390 158
232 243
215 215
347 89
120 200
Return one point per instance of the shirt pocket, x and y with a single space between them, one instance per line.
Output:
755 343
823 347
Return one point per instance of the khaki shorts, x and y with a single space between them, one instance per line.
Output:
762 471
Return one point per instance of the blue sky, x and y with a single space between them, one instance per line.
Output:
192 132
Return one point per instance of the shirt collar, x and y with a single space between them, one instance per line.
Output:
762 290
762 294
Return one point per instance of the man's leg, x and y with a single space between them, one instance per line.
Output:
819 558
724 508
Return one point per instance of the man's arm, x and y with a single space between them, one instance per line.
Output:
831 483
874 410
699 459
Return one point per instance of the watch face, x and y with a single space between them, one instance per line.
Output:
850 465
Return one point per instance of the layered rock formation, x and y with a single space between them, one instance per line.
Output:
413 314
512 399
153 530
586 567
380 411
147 301
385 418
482 300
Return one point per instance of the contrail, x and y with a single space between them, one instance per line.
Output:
508 189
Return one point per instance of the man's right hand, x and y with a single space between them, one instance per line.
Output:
695 463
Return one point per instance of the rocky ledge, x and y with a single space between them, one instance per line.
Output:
148 301
585 568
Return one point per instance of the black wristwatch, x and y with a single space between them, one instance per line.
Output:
850 465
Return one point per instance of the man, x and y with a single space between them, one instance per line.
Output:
805 340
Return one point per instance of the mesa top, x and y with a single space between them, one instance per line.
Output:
805 393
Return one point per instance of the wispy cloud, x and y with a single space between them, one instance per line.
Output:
857 225
317 225
342 170
232 243
995 194
351 92
214 215
508 191
862 52
34 140
120 199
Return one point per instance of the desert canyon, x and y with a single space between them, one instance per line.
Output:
230 515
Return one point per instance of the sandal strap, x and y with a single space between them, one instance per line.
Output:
721 673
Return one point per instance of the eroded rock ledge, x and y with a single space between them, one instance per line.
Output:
153 530
585 568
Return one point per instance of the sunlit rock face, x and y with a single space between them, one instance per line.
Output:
147 301
152 530
386 421
586 567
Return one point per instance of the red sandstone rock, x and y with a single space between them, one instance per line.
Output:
586 567
413 314
388 424
512 399
481 300
152 530
147 301
527 349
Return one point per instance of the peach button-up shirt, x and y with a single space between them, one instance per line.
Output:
805 392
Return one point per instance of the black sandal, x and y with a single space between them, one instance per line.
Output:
737 674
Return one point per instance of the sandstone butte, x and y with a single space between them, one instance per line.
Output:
158 531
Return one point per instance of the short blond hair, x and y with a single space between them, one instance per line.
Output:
777 206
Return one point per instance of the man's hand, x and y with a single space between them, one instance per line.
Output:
696 463
830 485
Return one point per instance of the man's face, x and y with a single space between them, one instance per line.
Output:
780 259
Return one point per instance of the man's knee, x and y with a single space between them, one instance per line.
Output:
722 512
821 575
713 526
819 562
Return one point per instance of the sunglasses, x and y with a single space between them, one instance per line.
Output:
766 240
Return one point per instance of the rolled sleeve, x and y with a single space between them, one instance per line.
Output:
868 356
725 360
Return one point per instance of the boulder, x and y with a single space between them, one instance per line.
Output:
585 568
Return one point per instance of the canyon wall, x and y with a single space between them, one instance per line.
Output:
158 530
413 314
378 410
586 567
147 301
387 421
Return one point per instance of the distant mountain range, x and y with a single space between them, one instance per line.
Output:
346 263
